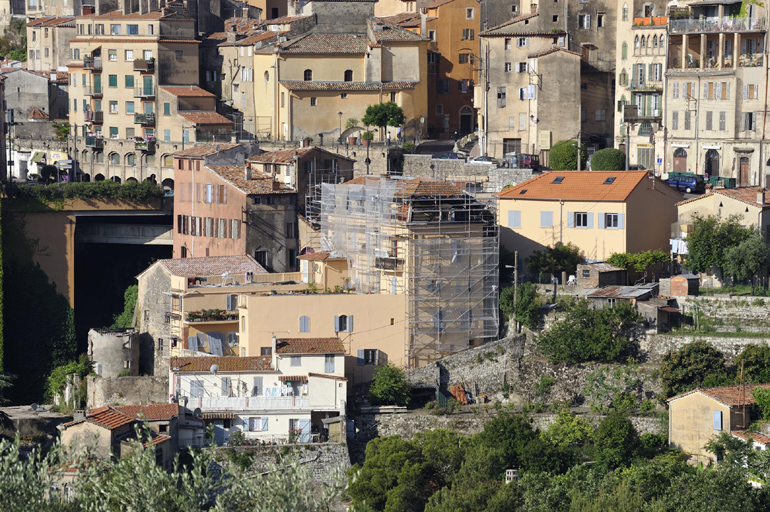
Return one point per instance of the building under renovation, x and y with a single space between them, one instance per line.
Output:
426 239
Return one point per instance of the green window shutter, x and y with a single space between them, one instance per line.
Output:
113 80
130 81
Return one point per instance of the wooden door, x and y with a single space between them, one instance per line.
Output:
744 172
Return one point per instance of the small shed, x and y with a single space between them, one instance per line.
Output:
680 286
610 295
599 275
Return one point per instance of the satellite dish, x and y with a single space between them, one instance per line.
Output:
214 369
197 412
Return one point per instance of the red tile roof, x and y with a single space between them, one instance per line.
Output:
309 346
212 266
757 437
327 376
436 3
225 363
106 416
417 187
204 118
387 33
551 50
157 439
577 186
292 378
746 195
406 19
154 15
150 412
726 395
286 156
259 183
50 21
330 44
187 91
203 150
505 29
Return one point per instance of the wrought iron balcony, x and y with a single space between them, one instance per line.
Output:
144 119
92 63
144 91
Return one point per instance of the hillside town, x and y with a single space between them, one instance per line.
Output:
384 255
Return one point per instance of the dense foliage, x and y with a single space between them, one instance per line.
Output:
711 239
13 43
747 259
383 114
755 360
126 318
136 483
608 159
58 378
638 261
563 156
389 386
555 260
696 364
587 334
526 309
131 190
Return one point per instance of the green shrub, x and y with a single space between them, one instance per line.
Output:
544 385
608 159
130 191
389 386
690 366
563 156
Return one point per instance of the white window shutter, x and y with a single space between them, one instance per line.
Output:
621 221
728 90
588 21
601 220
532 92
265 424
350 323
336 323
571 219
745 91
590 216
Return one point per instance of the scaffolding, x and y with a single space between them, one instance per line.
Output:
428 240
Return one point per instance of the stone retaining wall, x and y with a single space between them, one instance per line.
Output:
127 390
493 179
322 458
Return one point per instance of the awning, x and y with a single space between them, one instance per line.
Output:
292 378
37 156
217 416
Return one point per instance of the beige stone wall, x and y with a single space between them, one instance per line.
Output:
691 424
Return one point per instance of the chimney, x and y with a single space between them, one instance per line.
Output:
275 348
424 22
761 197
245 13
259 15
533 8
247 172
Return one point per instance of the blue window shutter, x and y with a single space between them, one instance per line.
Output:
601 220
350 323
265 424
570 219
546 219
621 221
360 356
514 219
336 323
717 420
590 216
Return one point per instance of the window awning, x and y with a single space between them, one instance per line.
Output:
37 156
292 378
217 416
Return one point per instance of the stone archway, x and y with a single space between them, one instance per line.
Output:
680 160
712 163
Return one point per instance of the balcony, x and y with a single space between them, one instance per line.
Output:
717 25
92 63
94 142
94 92
144 66
650 115
144 119
148 146
211 315
750 60
246 403
646 86
144 91
96 117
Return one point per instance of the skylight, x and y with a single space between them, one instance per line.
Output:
609 180
523 191
558 180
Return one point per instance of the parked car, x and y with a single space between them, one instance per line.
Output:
484 160
687 182
447 156
522 161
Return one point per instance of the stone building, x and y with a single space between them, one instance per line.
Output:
48 43
114 352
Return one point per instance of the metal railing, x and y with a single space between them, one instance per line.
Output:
93 116
92 63
94 142
94 91
148 119
144 91
716 25
243 403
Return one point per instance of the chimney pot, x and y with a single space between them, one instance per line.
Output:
761 196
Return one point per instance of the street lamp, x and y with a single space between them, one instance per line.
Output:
340 138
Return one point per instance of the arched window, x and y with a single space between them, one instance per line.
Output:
150 160
168 161
661 42
304 323
99 157
644 42
131 159
654 41
624 51
308 75
636 42
114 159
625 12
348 75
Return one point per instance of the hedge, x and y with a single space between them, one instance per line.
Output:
131 190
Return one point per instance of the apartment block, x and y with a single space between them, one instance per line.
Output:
48 43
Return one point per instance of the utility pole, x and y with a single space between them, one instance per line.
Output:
485 138
74 152
580 134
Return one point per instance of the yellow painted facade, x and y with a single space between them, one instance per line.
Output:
691 424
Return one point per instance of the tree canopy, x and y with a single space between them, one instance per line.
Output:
639 261
384 114
526 309
693 365
555 260
389 386
747 259
711 238
608 159
563 156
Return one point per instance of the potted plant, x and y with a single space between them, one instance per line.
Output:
367 137
349 125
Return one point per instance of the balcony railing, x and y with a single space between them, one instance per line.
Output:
94 142
145 66
94 92
146 145
144 91
96 117
241 403
750 60
716 25
92 63
145 119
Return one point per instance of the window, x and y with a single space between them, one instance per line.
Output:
625 12
748 121
657 72
147 54
129 55
114 135
522 41
521 67
313 102
115 30
555 18
514 219
514 8
584 21
500 97
308 75
132 30
439 110
717 420
370 356
304 323
507 43
581 220
259 424
344 95
291 229
468 34
196 388
611 220
261 257
112 80
687 122
586 274
235 228
432 35
508 67
329 363
295 360
600 20
113 107
522 121
432 57
709 120
675 120
349 75
129 81
675 90
266 351
179 54
131 160
600 115
465 58
750 91
624 51
343 323
722 120
469 13
546 219
393 96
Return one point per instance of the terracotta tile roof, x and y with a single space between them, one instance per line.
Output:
50 21
387 33
292 378
187 91
225 363
258 184
330 44
309 346
286 156
505 29
241 25
757 437
746 195
212 266
204 118
283 20
696 198
107 416
204 150
157 439
154 15
436 3
256 38
577 186
327 376
320 256
406 19
726 395
38 115
656 21
124 40
150 412
551 50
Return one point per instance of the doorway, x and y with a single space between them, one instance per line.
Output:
744 172
712 163
680 160
466 120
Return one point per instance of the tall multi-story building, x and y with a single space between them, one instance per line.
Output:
716 83
641 67
134 95
48 43
533 98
